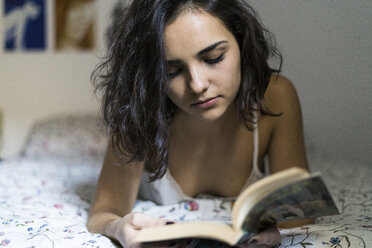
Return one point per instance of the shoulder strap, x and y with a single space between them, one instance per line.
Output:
256 170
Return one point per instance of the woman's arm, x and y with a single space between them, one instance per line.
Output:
116 191
115 197
286 148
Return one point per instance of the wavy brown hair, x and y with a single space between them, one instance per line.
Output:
134 79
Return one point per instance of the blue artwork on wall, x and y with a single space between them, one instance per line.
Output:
24 25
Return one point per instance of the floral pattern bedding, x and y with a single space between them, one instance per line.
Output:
45 203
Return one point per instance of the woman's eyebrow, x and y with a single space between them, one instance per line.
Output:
205 50
211 47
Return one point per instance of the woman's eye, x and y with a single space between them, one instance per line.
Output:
174 73
216 60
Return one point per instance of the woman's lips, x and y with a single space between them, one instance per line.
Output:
206 103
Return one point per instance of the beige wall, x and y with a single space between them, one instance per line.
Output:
327 48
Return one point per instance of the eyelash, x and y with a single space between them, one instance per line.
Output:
217 60
174 74
210 62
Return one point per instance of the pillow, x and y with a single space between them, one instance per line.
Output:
72 136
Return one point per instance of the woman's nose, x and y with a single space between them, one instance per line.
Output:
198 82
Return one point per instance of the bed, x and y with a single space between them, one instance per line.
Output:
46 193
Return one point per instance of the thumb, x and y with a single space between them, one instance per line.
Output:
141 220
269 237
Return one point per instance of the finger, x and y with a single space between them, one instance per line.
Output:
269 237
130 235
142 220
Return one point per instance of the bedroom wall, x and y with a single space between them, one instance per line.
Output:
327 50
327 53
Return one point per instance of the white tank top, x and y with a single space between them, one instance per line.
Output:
166 190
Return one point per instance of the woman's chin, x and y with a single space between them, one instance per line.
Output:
211 115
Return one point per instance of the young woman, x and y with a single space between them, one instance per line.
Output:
192 106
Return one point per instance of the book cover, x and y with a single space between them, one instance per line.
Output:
305 199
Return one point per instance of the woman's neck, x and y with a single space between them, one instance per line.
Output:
184 124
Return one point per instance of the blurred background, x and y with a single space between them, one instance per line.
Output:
49 49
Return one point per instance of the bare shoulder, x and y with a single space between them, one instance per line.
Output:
286 148
281 95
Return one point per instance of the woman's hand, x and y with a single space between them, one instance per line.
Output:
126 229
266 239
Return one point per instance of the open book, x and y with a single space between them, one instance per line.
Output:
288 195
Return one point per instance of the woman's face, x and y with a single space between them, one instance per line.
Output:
204 65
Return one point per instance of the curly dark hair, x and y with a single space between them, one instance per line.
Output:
134 77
